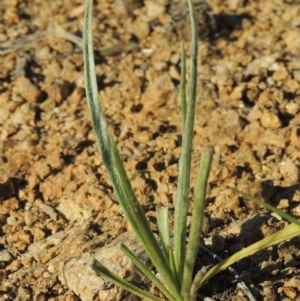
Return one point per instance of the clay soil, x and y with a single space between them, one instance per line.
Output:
56 202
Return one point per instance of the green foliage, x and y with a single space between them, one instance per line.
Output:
175 263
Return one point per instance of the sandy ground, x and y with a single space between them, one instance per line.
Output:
56 202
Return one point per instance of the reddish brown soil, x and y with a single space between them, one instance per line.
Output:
56 202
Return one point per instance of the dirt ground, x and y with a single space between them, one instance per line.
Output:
56 202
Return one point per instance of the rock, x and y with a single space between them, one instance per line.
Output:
263 62
154 9
30 92
86 284
141 29
289 171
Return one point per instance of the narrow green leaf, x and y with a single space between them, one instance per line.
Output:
107 274
185 158
163 228
197 279
287 233
171 260
197 220
143 268
183 85
269 207
114 165
164 233
118 49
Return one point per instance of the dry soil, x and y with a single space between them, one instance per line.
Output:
56 202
